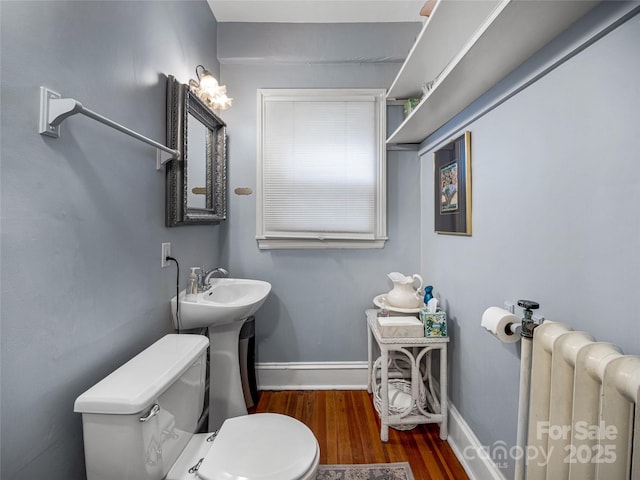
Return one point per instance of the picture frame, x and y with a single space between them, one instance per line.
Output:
452 187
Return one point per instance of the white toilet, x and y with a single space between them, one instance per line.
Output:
139 423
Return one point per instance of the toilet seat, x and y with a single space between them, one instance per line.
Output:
264 446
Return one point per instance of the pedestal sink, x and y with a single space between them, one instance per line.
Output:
222 308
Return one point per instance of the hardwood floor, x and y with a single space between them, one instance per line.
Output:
348 431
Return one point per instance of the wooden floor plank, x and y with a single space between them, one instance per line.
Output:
331 441
345 446
348 431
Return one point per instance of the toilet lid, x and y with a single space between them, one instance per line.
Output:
264 446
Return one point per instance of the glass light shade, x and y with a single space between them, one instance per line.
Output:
209 90
208 82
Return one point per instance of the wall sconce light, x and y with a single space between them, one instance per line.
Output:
208 90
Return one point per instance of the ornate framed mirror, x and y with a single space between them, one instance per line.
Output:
196 185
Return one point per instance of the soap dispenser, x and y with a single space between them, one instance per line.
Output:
428 294
192 284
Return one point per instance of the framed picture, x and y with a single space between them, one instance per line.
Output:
452 187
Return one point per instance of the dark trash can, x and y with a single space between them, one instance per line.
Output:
247 354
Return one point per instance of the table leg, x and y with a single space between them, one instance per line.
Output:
384 393
369 358
444 402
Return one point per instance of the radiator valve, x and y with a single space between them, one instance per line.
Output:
528 325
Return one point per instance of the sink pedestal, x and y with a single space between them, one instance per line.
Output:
226 398
223 309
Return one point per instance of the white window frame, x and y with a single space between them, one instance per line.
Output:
282 240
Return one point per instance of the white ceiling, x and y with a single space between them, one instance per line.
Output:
317 11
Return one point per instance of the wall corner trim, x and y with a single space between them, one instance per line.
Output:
469 451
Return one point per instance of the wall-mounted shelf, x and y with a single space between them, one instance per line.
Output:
444 34
504 35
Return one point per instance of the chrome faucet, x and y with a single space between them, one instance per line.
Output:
206 276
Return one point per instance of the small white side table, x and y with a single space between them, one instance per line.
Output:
416 350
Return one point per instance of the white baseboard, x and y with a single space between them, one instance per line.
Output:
353 376
469 451
312 376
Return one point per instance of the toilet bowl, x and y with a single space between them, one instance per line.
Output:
139 423
265 446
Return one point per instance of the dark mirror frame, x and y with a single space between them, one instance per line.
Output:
181 103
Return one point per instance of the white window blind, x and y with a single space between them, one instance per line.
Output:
321 164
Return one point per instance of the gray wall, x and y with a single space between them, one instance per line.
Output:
316 309
83 215
556 219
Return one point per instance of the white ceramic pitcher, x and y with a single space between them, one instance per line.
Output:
403 294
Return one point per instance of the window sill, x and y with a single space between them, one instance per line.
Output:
288 243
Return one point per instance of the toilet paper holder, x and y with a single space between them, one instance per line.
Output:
506 326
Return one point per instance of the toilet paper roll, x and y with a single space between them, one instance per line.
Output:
498 322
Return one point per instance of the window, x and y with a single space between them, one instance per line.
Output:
321 169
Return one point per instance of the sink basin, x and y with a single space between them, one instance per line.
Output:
228 300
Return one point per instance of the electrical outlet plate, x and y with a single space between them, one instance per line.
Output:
44 128
166 252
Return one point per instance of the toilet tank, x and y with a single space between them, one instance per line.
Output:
137 420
